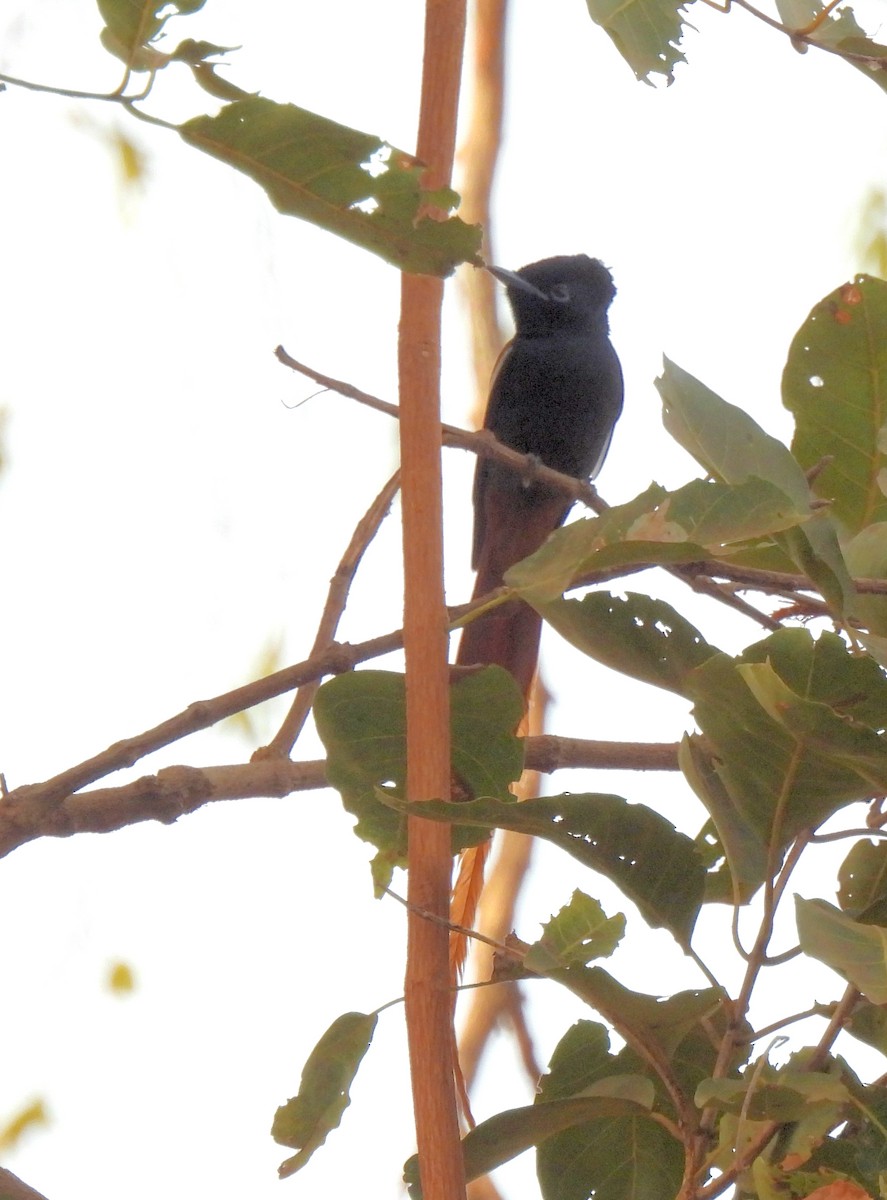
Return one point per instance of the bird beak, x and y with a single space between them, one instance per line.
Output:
512 279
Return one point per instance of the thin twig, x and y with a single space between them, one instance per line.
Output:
282 743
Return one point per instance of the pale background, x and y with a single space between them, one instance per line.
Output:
167 515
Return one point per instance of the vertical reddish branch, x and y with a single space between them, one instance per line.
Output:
428 999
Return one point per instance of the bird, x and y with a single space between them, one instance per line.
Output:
556 394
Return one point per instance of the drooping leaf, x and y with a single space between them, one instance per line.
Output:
647 33
580 932
835 385
744 846
635 634
305 1120
700 520
857 952
732 447
653 864
361 719
348 182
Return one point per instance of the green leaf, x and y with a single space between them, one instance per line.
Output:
579 1161
350 183
743 845
304 1121
361 720
840 30
862 878
504 1136
866 558
857 952
868 1024
643 854
580 932
835 385
790 740
732 447
611 1159
130 25
700 520
724 439
635 634
659 1023
646 33
775 1094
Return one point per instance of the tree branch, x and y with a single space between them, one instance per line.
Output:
178 790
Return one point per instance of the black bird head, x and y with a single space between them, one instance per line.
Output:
571 292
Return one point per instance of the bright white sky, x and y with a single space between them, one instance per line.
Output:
167 515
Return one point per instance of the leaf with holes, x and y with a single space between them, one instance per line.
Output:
636 634
348 182
647 33
835 385
653 864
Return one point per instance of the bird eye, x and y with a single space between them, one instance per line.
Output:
560 292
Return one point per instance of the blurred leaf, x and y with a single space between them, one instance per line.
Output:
835 385
361 720
732 447
121 979
635 634
700 520
304 1121
27 1118
646 33
643 854
350 183
254 723
130 25
870 241
580 932
857 952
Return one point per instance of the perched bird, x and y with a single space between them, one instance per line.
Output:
556 394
